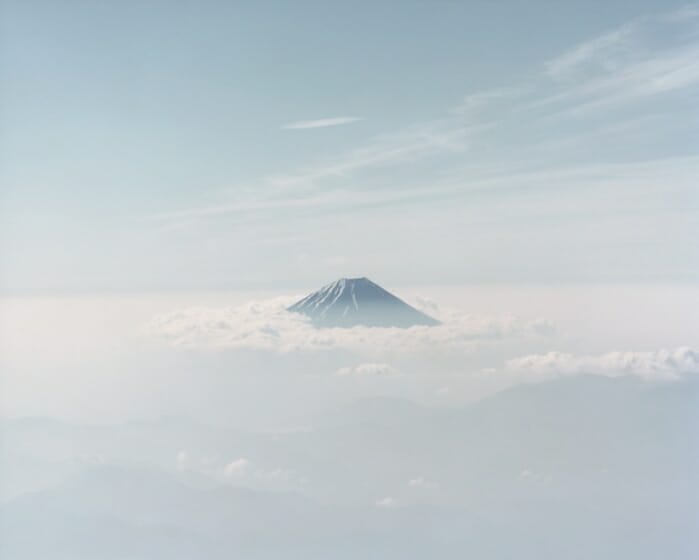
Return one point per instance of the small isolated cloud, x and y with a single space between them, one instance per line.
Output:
182 460
267 325
240 471
660 365
321 123
369 369
442 391
529 476
386 503
421 482
237 468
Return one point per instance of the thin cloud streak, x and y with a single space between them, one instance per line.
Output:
411 143
668 72
623 176
321 123
622 66
565 65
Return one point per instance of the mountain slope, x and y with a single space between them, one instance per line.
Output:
349 302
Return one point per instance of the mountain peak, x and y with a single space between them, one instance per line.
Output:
350 302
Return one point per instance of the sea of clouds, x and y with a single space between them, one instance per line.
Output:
266 326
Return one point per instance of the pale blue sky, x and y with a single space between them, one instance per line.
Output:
199 145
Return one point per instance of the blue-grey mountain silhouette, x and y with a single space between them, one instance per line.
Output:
350 302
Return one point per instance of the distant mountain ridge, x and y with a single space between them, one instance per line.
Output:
350 302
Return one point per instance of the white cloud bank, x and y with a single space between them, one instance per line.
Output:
267 325
662 365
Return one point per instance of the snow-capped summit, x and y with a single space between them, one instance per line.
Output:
349 302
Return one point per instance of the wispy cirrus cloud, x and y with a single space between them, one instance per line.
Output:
321 123
648 56
479 142
604 50
666 72
635 41
640 176
408 144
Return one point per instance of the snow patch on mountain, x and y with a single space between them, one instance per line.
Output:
350 302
